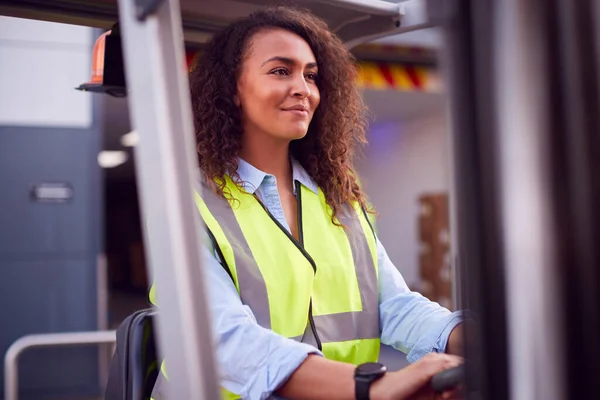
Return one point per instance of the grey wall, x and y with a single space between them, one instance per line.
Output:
403 161
48 251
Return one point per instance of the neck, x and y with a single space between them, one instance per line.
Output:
270 157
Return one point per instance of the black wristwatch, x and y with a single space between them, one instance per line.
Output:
364 376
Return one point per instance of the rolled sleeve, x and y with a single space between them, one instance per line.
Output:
253 361
435 339
410 322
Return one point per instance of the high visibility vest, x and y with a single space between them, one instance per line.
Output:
321 289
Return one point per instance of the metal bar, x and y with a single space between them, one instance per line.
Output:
374 7
524 136
476 227
102 291
104 352
146 7
411 15
166 170
506 209
577 150
11 359
415 16
455 270
373 24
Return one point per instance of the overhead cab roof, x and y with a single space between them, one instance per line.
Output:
354 21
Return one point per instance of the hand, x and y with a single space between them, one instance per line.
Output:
427 394
412 382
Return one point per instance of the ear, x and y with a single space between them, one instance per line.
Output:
236 100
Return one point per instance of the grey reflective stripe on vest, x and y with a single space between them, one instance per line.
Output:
330 328
308 336
356 324
253 289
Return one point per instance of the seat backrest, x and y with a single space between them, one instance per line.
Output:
134 367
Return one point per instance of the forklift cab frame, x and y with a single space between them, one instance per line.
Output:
502 134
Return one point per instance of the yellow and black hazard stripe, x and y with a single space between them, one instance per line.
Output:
386 76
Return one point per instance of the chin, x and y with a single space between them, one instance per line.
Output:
299 131
294 132
297 135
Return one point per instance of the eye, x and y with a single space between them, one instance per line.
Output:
312 76
279 71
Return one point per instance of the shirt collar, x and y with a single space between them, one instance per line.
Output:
252 177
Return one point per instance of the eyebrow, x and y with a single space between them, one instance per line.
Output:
288 61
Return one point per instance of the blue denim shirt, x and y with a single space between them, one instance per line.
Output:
254 361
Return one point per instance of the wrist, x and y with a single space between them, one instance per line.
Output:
381 389
365 376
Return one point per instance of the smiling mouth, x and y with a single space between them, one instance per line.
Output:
298 112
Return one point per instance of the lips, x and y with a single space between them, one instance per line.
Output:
298 109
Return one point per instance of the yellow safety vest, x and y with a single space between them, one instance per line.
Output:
321 290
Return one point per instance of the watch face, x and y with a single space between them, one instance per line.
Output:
369 369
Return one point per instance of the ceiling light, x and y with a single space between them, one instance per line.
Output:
111 159
130 139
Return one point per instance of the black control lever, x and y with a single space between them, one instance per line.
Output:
448 379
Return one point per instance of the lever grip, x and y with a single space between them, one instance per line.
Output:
448 379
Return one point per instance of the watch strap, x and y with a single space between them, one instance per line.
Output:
362 386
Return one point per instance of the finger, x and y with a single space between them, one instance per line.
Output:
442 358
436 363
454 394
453 359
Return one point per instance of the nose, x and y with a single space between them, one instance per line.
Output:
300 88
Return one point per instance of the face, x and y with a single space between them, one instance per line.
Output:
277 90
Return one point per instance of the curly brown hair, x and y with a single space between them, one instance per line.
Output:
338 125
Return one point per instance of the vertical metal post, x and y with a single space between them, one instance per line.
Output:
523 90
476 229
506 210
526 95
104 351
159 101
576 150
436 14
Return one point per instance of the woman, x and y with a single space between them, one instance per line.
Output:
302 292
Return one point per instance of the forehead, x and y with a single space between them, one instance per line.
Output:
268 43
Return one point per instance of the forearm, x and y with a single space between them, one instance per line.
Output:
320 379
